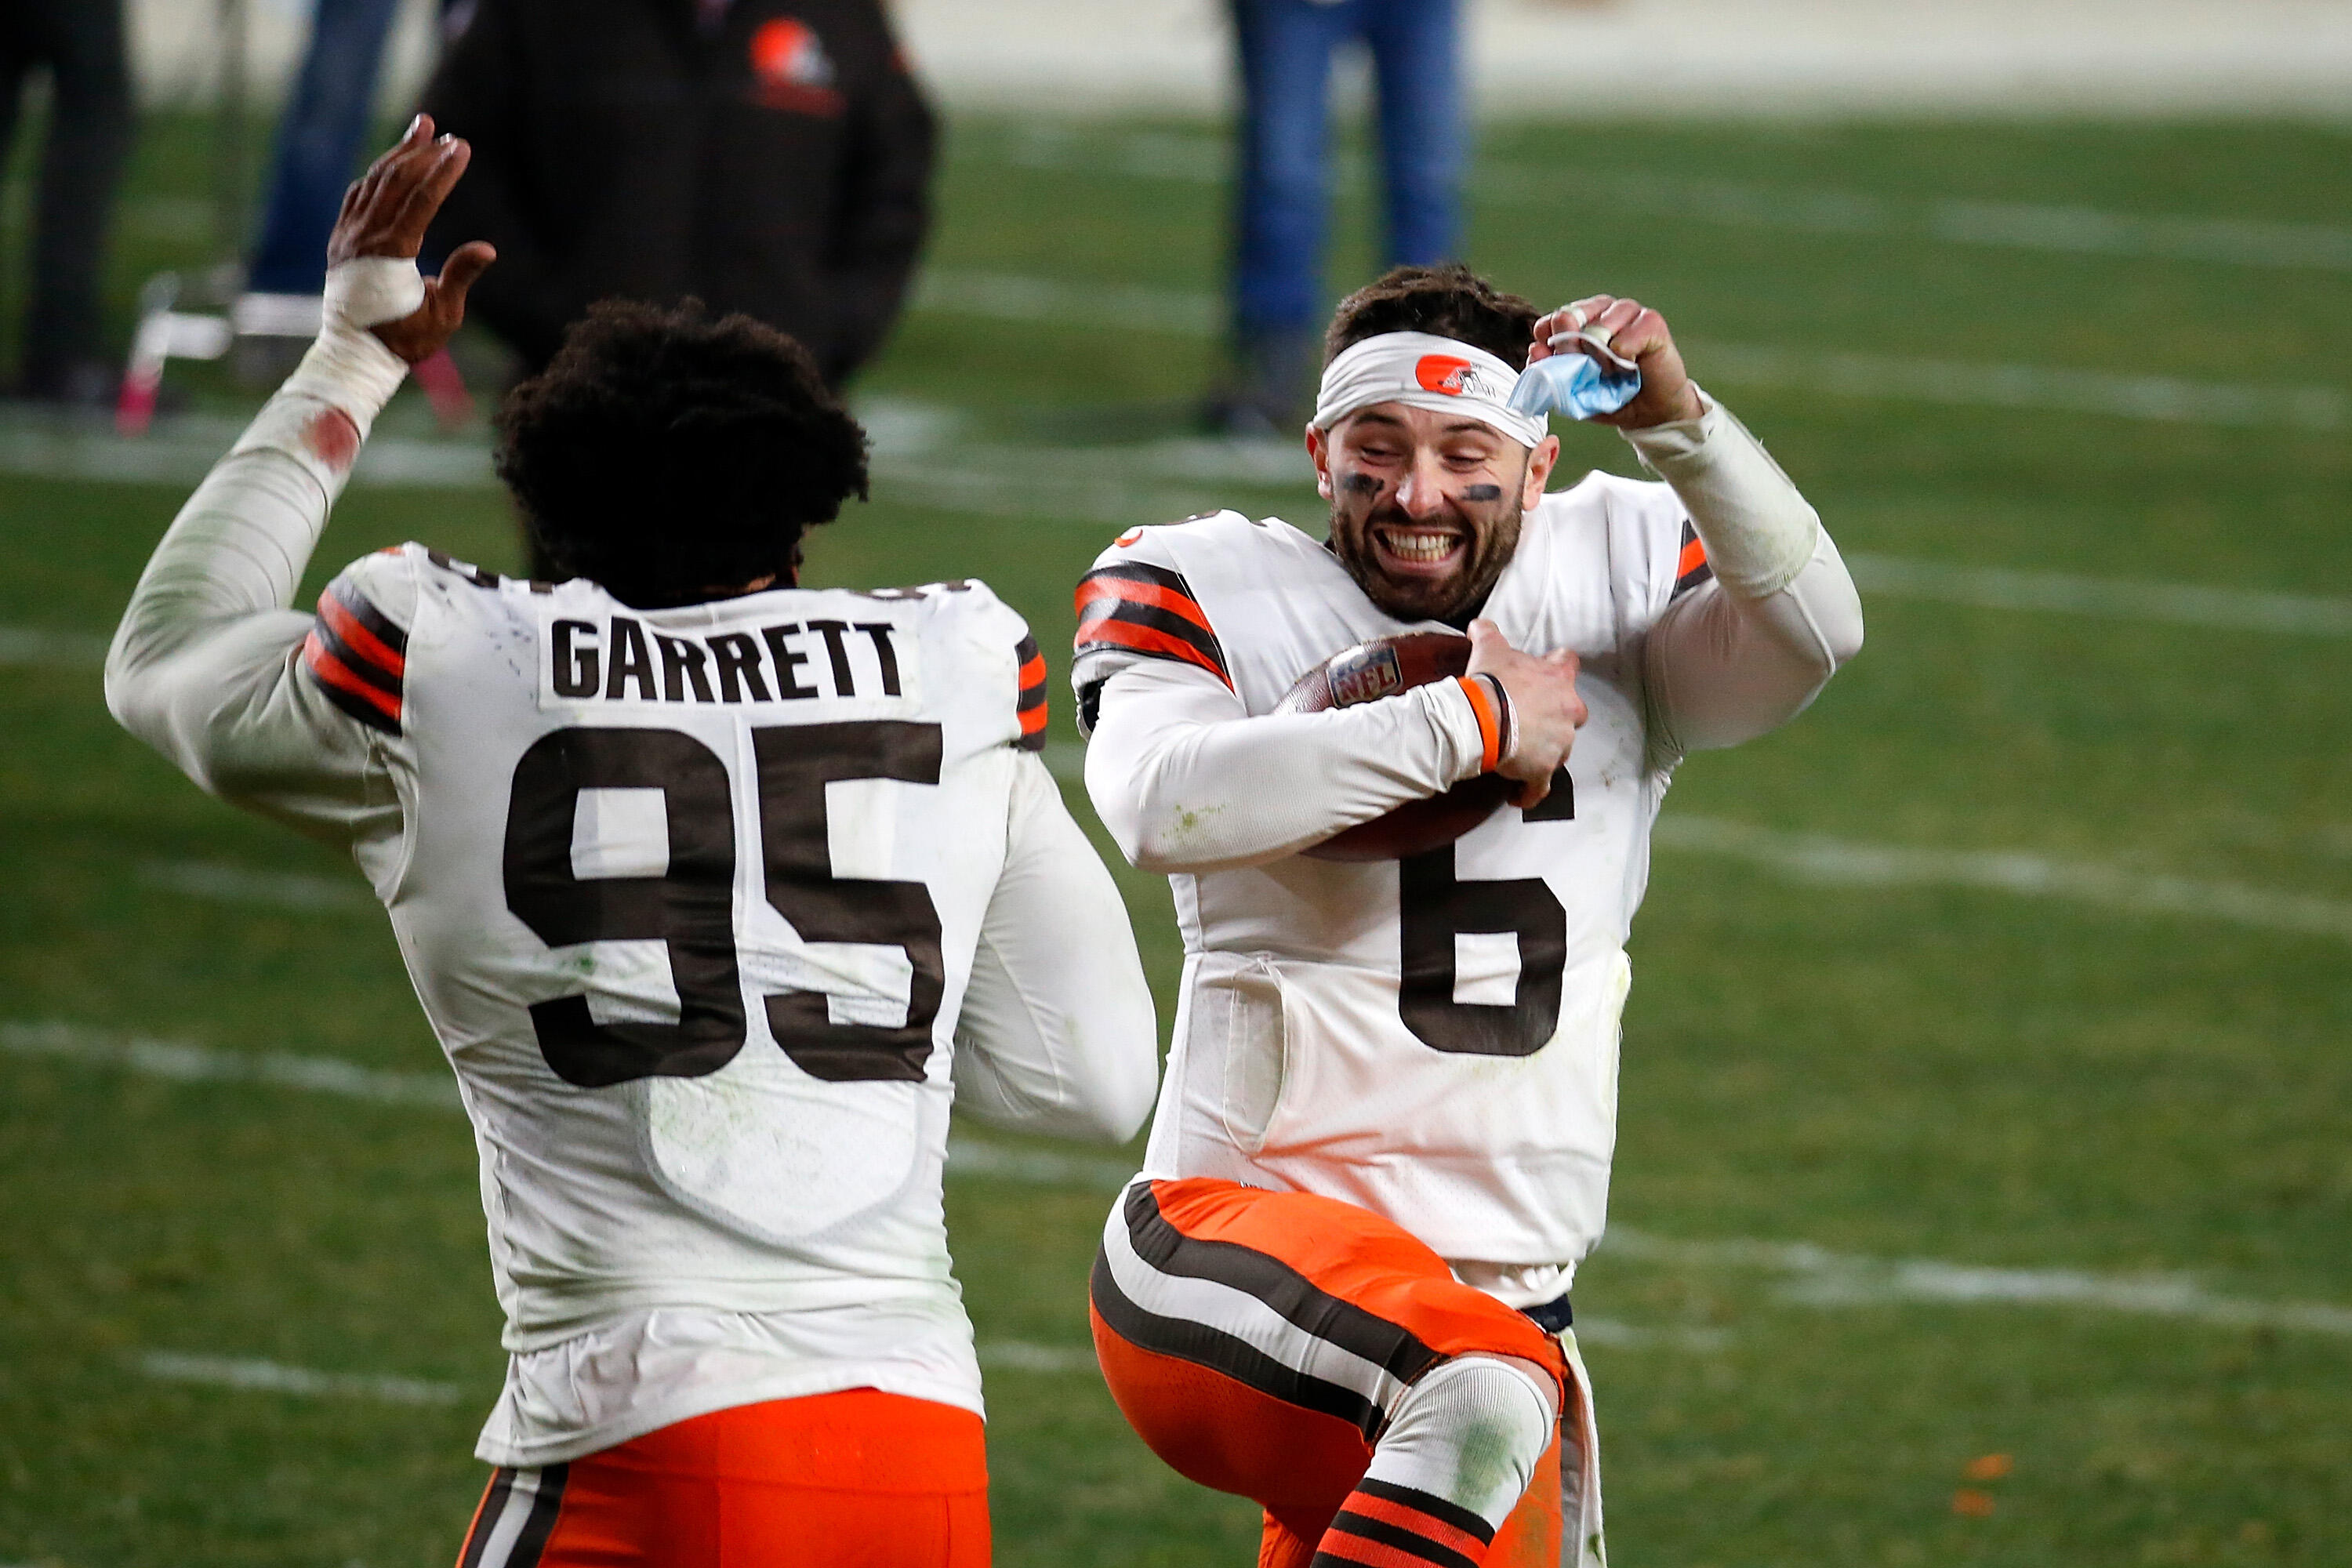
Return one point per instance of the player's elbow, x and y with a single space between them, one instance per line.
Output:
1840 628
139 696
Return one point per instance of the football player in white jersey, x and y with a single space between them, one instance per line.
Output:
1339 1285
716 890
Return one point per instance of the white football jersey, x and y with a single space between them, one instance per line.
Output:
690 897
1434 1039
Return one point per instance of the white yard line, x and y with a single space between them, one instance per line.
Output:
329 1075
2019 226
1818 1278
2165 399
1616 1334
2178 603
237 885
31 648
2159 398
273 1377
1838 862
202 1064
1013 1355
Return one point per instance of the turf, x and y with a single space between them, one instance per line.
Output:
1920 1073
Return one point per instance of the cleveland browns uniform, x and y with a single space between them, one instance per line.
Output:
714 909
1386 1125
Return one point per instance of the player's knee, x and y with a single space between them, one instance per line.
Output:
1475 1430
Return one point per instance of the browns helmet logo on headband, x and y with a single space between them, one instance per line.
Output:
1457 377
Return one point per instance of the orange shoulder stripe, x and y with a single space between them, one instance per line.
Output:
1100 596
337 674
1150 640
357 638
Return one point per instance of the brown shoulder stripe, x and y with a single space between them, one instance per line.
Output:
1032 703
1149 610
1690 566
359 658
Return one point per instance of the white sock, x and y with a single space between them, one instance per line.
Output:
1470 1433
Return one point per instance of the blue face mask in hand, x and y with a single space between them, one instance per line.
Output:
1577 383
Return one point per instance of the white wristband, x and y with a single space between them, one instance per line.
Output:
349 365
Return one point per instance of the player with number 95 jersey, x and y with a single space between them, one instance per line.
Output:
715 889
1340 1285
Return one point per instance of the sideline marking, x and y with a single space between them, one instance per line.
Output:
1619 1335
238 885
273 1377
2021 226
2178 604
1823 1278
32 648
2167 399
201 1064
331 1075
1015 1355
1838 862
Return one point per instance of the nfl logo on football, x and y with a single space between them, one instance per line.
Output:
1367 677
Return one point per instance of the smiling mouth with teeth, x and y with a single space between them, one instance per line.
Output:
1421 547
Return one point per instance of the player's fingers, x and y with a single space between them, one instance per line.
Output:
1645 334
434 179
467 263
1613 319
419 132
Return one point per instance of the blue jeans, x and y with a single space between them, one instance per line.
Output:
1285 143
318 144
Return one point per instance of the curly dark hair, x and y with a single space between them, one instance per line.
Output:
1449 300
669 457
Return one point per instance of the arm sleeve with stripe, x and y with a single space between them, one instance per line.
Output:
211 666
1763 611
1057 1033
1187 780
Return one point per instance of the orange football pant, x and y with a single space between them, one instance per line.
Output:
1237 1421
856 1480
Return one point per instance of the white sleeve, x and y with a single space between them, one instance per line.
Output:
206 665
1057 1033
1187 780
1744 652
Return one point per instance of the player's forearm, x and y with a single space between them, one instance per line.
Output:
1758 530
1057 1033
1186 782
1746 653
1721 669
204 621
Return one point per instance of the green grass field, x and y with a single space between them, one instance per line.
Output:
2011 980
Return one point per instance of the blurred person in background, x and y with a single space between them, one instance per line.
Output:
80 42
1282 194
318 142
771 157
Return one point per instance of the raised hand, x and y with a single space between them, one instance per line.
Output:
1545 711
385 213
1629 328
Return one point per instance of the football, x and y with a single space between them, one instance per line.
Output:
1365 673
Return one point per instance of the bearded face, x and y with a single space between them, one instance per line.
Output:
1426 507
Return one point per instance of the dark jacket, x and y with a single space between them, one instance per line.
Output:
776 164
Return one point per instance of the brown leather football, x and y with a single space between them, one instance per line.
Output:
1365 673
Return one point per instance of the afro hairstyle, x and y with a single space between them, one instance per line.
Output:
672 458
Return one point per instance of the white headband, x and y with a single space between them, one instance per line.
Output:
1422 370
